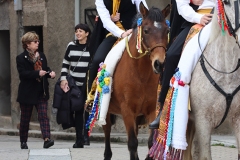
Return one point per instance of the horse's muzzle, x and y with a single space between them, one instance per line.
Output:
158 67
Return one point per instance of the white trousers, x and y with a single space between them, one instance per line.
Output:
186 65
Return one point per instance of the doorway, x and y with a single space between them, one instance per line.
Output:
5 76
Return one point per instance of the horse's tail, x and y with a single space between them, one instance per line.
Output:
113 119
190 135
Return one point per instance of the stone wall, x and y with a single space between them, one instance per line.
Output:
4 16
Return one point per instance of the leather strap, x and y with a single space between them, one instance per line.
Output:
228 96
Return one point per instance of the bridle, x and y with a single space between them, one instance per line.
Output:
148 51
237 24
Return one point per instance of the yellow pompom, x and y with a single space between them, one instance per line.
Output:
99 88
98 74
104 66
107 80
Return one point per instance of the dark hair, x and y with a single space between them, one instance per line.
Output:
85 28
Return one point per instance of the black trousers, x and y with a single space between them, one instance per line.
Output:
171 61
99 57
81 118
79 124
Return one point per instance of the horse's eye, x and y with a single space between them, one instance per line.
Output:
145 31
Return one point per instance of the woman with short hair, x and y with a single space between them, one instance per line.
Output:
33 88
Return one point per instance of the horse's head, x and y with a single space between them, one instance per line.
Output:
154 35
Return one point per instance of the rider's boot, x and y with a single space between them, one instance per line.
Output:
155 123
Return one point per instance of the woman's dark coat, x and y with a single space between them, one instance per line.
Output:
27 91
68 102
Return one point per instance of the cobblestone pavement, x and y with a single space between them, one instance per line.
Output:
62 150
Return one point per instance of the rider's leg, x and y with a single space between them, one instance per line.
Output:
171 62
99 57
186 65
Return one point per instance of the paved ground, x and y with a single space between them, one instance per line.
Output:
62 150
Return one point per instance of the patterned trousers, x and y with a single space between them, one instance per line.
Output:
26 112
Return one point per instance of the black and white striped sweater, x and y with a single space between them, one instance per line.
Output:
72 55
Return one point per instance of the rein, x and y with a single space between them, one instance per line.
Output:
148 51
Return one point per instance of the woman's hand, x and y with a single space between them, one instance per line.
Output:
116 17
126 33
52 74
64 86
42 73
206 19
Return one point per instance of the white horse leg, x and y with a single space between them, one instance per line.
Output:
236 128
203 135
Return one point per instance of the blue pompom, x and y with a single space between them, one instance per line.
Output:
168 23
139 21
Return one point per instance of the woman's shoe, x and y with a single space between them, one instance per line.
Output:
78 145
24 145
48 143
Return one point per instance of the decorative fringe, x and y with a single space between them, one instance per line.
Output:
160 136
221 17
161 149
93 115
102 81
139 35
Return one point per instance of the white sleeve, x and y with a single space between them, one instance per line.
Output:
187 12
137 3
106 19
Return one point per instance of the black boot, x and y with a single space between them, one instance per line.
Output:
79 139
86 138
24 145
155 123
78 143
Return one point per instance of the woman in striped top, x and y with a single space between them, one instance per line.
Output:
76 62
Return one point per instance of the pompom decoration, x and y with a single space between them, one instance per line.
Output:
221 17
168 23
102 81
139 35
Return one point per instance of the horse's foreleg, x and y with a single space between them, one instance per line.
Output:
190 136
107 131
131 128
203 135
236 127
151 117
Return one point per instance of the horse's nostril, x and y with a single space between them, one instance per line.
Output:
157 66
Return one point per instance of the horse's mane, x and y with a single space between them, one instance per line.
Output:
155 14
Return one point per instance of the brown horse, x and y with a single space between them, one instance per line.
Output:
135 83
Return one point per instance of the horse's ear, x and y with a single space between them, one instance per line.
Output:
166 10
143 10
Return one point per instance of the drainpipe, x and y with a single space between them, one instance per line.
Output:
18 8
77 12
